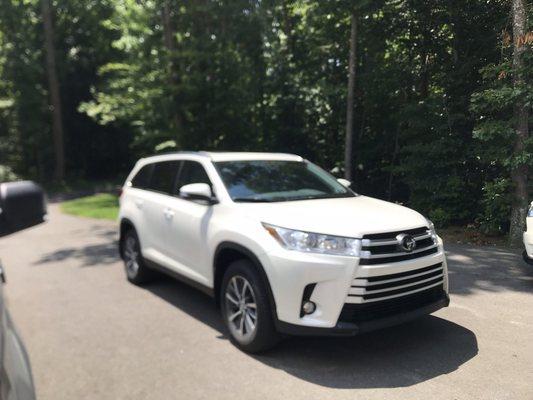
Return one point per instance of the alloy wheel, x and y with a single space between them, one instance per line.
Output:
131 256
241 308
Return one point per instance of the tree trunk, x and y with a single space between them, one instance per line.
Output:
53 87
393 162
519 174
348 161
169 41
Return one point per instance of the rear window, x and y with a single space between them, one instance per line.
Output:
163 176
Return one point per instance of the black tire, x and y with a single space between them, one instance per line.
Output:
264 336
527 259
140 273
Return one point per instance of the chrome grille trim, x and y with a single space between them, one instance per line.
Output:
366 282
396 295
386 242
383 248
388 286
363 291
402 253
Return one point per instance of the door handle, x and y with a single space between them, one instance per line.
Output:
169 214
139 203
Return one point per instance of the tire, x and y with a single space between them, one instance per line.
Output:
248 334
527 259
136 270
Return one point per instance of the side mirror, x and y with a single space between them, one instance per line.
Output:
197 191
344 182
22 205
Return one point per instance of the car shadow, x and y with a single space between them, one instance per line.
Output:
89 255
396 357
96 255
480 268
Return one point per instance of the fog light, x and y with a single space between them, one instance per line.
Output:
308 307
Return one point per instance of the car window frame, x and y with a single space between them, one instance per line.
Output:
153 166
175 192
216 165
147 165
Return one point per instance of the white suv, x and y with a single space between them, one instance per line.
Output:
282 246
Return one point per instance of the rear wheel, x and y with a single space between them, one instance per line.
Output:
246 309
136 270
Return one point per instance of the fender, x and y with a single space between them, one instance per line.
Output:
123 223
227 245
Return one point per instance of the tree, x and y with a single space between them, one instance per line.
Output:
502 107
521 111
169 39
348 164
53 86
425 106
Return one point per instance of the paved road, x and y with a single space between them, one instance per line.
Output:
91 335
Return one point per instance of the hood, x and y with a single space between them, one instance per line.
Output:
350 217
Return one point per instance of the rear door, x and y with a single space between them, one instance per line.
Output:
135 200
186 242
155 210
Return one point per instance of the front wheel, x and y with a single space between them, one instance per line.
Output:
246 309
526 258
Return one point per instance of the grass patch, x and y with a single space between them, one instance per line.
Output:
102 206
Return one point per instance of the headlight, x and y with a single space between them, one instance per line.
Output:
432 230
315 242
530 211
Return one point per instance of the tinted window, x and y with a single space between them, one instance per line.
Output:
273 180
142 179
164 175
192 172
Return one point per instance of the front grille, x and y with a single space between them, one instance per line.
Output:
382 287
383 248
376 310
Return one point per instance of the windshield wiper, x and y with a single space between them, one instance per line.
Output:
321 197
250 200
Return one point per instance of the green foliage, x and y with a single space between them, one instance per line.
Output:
440 217
101 206
495 207
493 108
7 174
433 100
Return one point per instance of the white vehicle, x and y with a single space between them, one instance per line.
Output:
528 236
282 246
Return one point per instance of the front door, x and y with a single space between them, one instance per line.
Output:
186 242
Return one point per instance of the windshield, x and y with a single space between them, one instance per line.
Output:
275 180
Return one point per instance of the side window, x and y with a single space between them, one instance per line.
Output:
192 172
141 180
163 176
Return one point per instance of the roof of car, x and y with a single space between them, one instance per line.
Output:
228 156
234 156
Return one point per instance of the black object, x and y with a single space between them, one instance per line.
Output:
22 205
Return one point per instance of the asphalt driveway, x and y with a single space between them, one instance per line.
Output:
92 335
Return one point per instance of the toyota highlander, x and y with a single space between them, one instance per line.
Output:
282 246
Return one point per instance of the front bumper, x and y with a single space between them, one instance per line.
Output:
343 328
289 272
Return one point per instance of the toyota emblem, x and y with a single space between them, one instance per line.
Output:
406 242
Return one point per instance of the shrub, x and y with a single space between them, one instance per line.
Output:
7 174
495 207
